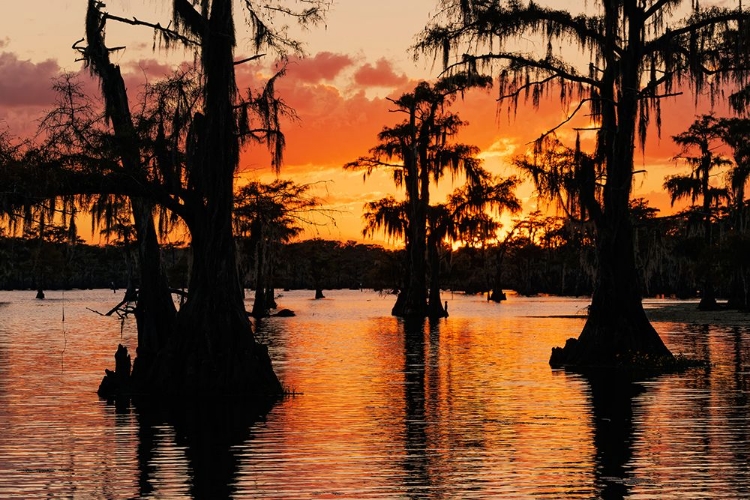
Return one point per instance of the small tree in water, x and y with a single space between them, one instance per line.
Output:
698 145
418 151
269 215
639 53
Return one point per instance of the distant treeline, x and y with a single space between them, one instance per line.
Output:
555 259
55 265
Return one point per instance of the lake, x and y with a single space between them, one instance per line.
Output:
463 407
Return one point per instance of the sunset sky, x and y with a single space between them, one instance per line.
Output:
357 59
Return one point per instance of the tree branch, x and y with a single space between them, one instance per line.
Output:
553 129
168 33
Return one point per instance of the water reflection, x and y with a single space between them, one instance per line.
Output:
466 407
415 462
612 407
190 447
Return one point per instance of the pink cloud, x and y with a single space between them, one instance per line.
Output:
24 83
324 66
151 69
380 75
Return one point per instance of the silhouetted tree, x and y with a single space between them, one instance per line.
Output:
155 311
698 144
469 207
419 151
270 215
213 348
638 54
735 132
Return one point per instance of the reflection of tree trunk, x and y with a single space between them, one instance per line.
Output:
416 463
210 432
148 420
612 404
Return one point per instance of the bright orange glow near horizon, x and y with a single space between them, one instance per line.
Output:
338 92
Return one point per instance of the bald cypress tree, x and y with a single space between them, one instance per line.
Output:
211 348
634 53
418 151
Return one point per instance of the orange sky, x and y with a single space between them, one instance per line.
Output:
338 91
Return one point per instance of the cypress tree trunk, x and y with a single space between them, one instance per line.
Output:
497 294
617 331
412 300
155 310
435 306
708 295
260 303
213 349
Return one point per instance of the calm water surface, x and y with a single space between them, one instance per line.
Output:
464 407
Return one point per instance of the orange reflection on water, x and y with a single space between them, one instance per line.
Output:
448 406
692 435
52 443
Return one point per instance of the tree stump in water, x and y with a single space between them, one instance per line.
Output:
117 382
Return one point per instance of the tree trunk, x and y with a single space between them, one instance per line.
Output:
260 307
214 350
497 294
435 307
412 299
270 297
617 331
155 310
